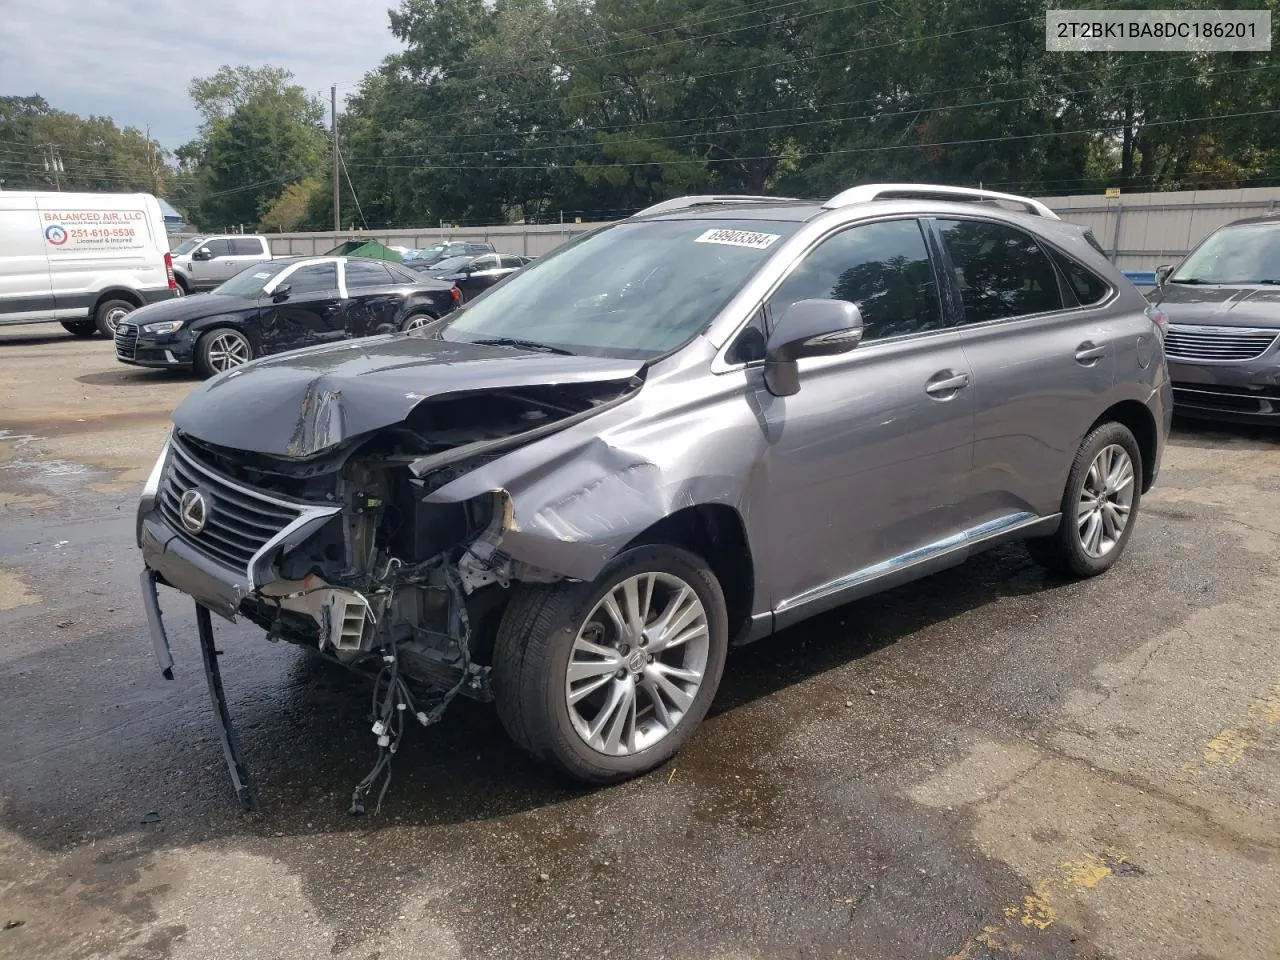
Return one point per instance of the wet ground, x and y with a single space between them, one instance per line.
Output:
986 764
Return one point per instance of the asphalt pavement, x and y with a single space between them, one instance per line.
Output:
989 763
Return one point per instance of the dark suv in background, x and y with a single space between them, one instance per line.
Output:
678 432
1223 305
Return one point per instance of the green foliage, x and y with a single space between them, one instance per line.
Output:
260 133
94 154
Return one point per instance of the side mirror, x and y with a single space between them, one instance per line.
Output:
281 293
202 254
1162 273
811 328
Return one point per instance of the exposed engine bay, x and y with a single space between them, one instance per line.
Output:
345 556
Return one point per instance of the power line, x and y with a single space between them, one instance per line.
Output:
604 128
849 150
884 115
790 61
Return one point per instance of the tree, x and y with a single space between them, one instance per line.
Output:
289 210
260 134
93 154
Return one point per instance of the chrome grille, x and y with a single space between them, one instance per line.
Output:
239 521
1217 343
126 341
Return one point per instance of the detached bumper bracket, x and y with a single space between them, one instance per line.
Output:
159 639
230 745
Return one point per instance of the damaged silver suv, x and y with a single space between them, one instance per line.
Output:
679 432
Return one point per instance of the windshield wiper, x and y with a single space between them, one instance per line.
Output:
527 344
1191 280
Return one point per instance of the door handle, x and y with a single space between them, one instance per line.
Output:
949 384
1089 352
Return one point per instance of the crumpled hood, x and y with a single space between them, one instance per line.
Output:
302 403
1220 306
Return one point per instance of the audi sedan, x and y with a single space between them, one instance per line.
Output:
282 305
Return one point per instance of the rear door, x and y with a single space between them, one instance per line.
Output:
245 252
1043 364
310 312
25 290
373 298
482 274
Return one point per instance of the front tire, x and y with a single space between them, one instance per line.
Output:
109 314
608 680
1099 506
221 349
80 328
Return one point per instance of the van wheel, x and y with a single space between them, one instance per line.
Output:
81 328
1099 506
607 680
109 315
221 349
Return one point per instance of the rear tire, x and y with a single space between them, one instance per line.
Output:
643 694
109 314
80 328
1099 506
417 320
220 349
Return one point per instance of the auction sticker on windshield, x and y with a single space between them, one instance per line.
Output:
738 238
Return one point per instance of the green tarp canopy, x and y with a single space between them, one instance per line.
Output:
365 248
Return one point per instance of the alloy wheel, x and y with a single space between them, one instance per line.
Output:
637 663
228 350
1105 501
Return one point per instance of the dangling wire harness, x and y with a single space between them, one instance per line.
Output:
392 698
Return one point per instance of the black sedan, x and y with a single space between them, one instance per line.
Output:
474 274
282 305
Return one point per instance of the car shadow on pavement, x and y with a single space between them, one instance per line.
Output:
139 755
127 376
1213 434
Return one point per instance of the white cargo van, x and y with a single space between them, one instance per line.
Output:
83 259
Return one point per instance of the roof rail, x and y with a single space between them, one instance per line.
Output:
702 200
901 191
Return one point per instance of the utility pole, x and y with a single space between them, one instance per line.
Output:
333 107
53 164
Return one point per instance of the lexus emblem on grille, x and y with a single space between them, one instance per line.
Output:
193 510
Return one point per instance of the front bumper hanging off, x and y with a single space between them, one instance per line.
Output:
209 653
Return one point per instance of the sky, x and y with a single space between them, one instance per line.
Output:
132 60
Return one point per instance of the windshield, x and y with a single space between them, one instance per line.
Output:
633 290
1249 253
452 263
186 246
249 283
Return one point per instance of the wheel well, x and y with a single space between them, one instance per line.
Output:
1142 425
115 293
182 281
716 533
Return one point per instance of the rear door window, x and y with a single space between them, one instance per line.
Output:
1000 270
882 267
1088 287
367 274
511 263
246 247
